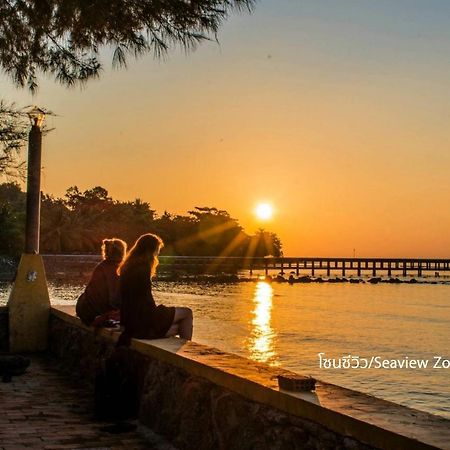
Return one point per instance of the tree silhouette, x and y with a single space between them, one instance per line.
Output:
265 243
214 227
79 221
12 219
13 135
64 37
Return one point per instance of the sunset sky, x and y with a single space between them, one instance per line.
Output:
335 112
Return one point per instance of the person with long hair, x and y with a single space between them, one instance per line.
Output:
139 314
101 297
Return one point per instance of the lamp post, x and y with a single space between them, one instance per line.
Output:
29 303
32 227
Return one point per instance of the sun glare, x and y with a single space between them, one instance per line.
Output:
264 211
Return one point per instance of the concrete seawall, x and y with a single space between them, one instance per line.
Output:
199 397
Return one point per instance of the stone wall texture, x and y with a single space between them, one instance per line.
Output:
190 411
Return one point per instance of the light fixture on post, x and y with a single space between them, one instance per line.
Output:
37 116
29 303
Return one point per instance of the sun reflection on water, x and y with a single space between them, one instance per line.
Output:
261 343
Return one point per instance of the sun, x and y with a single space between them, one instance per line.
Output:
264 211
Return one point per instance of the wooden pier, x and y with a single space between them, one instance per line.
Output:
372 266
69 265
311 265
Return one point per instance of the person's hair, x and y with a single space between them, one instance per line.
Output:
114 249
143 253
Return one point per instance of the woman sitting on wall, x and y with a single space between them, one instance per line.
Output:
100 300
140 316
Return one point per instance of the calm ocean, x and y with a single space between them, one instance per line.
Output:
289 326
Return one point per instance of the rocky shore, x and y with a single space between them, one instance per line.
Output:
373 280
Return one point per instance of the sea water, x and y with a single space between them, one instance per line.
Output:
302 326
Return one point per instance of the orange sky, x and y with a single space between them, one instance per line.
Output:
337 115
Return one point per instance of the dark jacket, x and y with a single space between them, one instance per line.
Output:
139 315
101 294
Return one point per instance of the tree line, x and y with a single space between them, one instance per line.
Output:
77 223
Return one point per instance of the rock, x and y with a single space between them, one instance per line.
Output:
394 280
304 279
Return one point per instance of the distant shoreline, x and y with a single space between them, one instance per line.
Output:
79 268
7 278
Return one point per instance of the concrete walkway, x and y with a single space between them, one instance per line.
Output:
44 409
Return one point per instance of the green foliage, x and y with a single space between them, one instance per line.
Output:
12 219
64 37
13 136
78 222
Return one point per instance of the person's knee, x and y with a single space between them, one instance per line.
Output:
173 330
187 312
182 313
